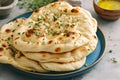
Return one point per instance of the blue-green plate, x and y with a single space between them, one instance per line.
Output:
91 61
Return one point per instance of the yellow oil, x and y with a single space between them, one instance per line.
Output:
109 4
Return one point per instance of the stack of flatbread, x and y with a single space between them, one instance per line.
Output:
56 37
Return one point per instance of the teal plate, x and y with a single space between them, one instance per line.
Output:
91 61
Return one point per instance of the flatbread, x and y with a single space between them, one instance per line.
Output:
6 31
57 28
74 55
51 66
56 37
27 64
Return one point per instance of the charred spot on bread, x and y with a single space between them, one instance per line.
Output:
7 30
94 36
37 10
69 34
49 42
3 45
74 10
29 32
58 49
1 49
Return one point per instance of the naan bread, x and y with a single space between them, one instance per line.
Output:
56 29
6 32
52 66
28 64
33 44
74 55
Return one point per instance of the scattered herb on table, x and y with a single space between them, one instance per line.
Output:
114 60
110 51
33 4
85 65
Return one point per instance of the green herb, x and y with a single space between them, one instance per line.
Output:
110 51
80 34
39 19
88 49
73 24
18 25
53 33
30 22
61 25
18 33
114 60
29 26
13 30
56 42
54 18
66 31
23 32
85 65
37 24
33 4
37 33
8 38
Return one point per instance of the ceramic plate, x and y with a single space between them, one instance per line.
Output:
91 61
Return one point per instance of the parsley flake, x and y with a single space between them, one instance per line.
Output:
37 33
13 30
18 33
66 31
110 51
85 64
114 60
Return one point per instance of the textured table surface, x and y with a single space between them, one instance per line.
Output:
104 70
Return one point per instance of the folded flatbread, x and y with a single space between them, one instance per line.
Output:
56 37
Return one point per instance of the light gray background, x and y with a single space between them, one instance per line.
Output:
104 70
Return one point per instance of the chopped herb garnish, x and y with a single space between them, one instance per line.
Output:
114 60
18 25
13 30
39 19
37 24
18 33
33 4
37 33
53 33
8 38
80 34
30 22
74 42
56 42
73 24
110 51
61 25
46 27
23 32
29 26
54 18
88 49
78 20
66 31
85 65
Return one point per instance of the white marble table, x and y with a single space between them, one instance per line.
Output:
104 70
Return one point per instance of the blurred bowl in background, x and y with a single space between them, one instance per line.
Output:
107 9
6 6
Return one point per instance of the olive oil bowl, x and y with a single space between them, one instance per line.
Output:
6 6
107 9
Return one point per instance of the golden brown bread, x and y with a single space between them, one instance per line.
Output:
56 37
